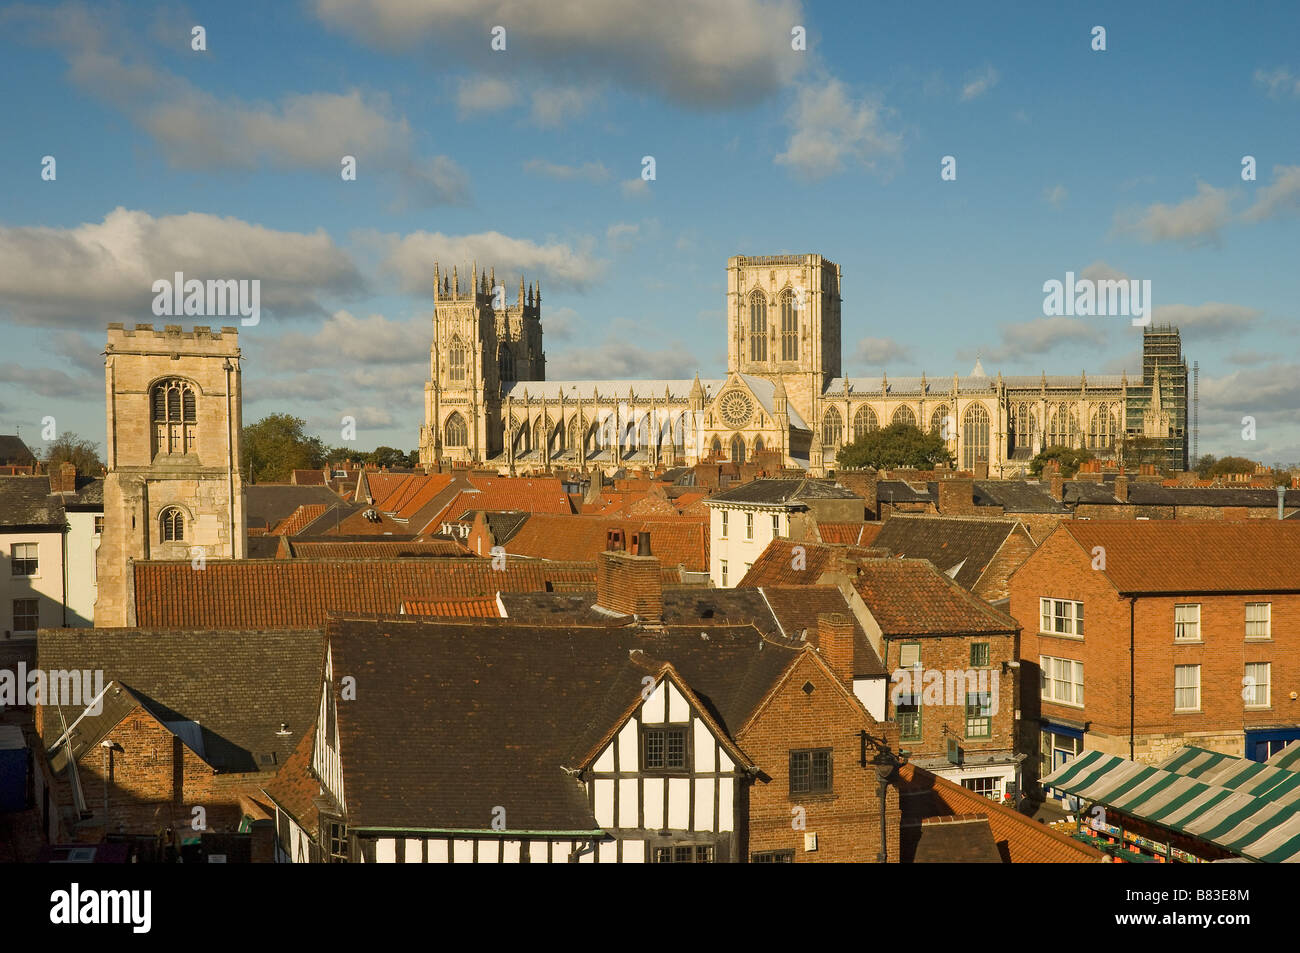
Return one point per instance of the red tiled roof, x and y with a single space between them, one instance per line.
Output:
298 520
911 597
452 608
377 549
413 494
853 534
300 593
525 494
307 477
676 541
775 566
1193 555
1020 839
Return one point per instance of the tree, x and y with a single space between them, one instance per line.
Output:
387 457
1203 465
83 454
277 445
898 445
1069 458
1226 465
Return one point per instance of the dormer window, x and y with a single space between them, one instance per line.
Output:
175 418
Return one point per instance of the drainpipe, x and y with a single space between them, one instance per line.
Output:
1281 502
64 541
230 462
1132 601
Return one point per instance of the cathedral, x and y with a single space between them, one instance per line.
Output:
488 401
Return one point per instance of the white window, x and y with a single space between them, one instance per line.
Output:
909 655
724 524
749 526
1187 622
990 788
1061 680
776 525
724 572
22 559
1255 684
1187 687
1258 618
1061 617
27 615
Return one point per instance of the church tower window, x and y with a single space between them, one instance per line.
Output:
974 436
172 525
456 359
174 417
456 433
757 327
506 363
789 328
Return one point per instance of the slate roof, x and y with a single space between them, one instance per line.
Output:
900 491
13 450
1017 496
267 504
26 501
969 384
1156 495
909 597
966 545
797 608
1194 556
1019 839
299 593
778 491
964 839
377 547
240 686
1086 491
465 718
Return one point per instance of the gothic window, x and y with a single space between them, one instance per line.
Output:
456 359
573 440
172 525
643 432
832 430
737 449
864 421
758 445
939 423
904 415
1024 426
789 328
974 436
757 327
1062 426
506 363
539 435
679 434
455 433
174 417
716 449
521 436
629 437
1102 430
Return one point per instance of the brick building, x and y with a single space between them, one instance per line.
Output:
1144 636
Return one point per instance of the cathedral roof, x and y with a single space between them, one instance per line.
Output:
607 389
973 384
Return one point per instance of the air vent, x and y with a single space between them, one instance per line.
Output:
808 688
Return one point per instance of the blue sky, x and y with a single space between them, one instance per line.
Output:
226 163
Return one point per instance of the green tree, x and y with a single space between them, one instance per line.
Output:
1226 465
83 454
277 445
1069 458
898 445
1203 465
387 457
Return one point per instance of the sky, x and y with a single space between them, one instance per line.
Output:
226 162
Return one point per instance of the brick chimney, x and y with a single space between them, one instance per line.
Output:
64 479
631 585
982 469
835 644
863 483
956 497
1121 487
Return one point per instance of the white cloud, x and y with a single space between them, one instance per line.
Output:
1055 196
829 129
103 271
554 106
411 257
979 83
622 235
590 171
1041 335
484 94
878 352
1199 217
1100 271
1212 319
1279 82
636 188
1281 196
626 352
705 55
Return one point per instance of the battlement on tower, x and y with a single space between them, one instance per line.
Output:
201 339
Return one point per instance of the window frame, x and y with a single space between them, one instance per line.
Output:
1049 678
975 656
911 700
812 789
1267 685
902 648
1196 687
1267 622
684 729
668 853
30 565
749 526
776 525
168 516
36 615
772 857
724 525
1183 623
1048 614
980 719
722 566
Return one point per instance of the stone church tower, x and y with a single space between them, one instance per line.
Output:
173 488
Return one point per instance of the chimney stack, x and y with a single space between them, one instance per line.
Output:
957 496
1121 487
64 479
631 584
835 644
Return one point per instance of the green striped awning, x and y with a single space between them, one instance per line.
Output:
1247 807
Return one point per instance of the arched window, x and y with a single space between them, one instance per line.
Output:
539 435
172 525
904 415
974 436
174 417
832 430
1024 427
456 359
679 433
737 449
716 449
789 328
522 436
1062 426
506 363
757 327
456 434
864 421
1101 432
758 445
573 441
939 424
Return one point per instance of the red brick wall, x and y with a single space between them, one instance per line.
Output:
847 821
630 584
993 585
